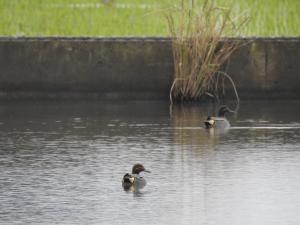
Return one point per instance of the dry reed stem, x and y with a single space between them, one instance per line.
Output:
197 49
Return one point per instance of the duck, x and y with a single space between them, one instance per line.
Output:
219 122
134 180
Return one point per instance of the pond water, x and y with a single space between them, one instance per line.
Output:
62 163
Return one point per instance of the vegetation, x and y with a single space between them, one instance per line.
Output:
197 48
134 17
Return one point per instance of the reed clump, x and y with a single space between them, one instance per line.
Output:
198 49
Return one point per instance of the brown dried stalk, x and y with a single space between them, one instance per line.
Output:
197 48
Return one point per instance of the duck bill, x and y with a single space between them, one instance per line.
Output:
147 171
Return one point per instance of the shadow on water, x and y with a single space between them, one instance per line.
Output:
64 161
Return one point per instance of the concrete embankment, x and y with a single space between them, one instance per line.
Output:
136 68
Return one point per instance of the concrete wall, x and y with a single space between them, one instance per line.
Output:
267 68
136 68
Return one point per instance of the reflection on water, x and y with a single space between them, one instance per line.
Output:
63 162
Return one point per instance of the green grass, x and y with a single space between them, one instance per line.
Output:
58 18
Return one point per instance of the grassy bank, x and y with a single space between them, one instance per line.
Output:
133 17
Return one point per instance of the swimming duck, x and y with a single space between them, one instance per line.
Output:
134 180
220 121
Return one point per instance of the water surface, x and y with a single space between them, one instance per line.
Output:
62 163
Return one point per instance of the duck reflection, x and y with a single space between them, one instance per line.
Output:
135 190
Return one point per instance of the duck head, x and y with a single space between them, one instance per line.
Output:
137 168
223 110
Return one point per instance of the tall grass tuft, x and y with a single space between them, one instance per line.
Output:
197 48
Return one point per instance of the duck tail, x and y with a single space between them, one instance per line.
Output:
128 178
209 123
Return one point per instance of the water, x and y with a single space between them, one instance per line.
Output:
62 163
